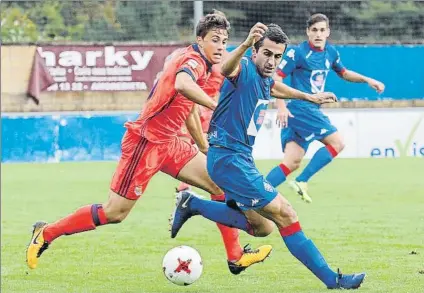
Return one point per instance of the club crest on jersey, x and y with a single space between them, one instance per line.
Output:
138 191
268 187
318 78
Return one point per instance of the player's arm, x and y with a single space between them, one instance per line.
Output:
231 66
186 86
283 91
286 68
283 113
353 76
194 127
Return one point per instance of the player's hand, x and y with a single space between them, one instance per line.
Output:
283 118
256 32
377 85
323 98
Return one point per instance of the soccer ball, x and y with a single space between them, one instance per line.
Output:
182 265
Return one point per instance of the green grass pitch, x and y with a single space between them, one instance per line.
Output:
367 215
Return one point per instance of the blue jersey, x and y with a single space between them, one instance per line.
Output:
309 68
241 109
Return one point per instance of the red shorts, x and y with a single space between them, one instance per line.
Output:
141 159
185 134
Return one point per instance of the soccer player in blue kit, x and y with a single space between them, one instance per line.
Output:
303 122
253 205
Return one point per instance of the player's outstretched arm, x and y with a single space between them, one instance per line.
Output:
283 91
353 76
230 67
186 86
194 127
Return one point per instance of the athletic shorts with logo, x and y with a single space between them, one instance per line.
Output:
141 159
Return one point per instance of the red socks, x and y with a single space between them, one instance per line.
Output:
230 236
285 169
331 150
290 230
84 219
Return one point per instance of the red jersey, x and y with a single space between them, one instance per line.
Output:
166 110
211 88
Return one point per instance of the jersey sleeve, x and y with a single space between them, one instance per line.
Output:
338 66
194 66
289 63
245 71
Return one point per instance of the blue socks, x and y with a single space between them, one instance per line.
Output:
306 252
297 243
219 212
278 175
320 159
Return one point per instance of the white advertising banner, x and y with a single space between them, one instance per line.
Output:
377 133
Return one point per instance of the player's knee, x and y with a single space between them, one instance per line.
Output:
337 144
341 146
295 164
115 217
289 214
292 163
262 230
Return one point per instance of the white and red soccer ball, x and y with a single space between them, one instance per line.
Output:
182 265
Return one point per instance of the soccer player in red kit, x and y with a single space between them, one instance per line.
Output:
151 144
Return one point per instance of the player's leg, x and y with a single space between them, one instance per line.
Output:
128 183
195 173
241 192
294 148
84 219
229 214
293 155
311 124
333 145
184 136
284 216
191 168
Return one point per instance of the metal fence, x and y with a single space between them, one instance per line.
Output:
40 21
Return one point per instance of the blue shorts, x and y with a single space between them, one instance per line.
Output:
309 124
236 174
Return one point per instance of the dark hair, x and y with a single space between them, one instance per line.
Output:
275 34
318 17
215 20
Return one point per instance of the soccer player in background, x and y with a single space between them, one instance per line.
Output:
151 144
251 200
303 122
